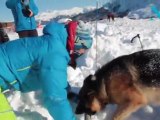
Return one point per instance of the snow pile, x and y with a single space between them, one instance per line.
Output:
113 40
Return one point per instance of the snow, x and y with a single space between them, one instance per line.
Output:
112 40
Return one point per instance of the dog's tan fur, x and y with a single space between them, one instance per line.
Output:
129 96
119 86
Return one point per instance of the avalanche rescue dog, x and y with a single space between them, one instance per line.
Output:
130 81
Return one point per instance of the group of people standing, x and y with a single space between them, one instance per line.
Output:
41 62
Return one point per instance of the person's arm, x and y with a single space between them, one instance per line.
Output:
33 7
71 29
70 43
10 3
71 37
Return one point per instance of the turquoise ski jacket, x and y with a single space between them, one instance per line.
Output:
30 64
22 22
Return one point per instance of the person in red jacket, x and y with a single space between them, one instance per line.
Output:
71 29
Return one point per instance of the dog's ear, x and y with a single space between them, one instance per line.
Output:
90 78
80 109
93 78
89 84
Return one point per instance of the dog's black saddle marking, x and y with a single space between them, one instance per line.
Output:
148 64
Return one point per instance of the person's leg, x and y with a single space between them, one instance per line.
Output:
53 78
55 96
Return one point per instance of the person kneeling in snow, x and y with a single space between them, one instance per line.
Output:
30 64
78 40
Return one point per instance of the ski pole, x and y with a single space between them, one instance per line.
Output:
139 40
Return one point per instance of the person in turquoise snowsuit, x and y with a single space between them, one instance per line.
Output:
34 63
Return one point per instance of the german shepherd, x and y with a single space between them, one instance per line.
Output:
130 81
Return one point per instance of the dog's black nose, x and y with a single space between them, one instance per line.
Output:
90 112
79 111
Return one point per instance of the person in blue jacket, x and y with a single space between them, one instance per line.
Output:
33 63
23 12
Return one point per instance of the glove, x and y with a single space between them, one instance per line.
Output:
26 11
73 64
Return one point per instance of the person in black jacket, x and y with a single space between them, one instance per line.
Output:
3 35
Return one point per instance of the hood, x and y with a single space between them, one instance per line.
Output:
57 31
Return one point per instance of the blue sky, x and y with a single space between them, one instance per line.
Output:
44 5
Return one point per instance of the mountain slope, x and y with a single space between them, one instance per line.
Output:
133 8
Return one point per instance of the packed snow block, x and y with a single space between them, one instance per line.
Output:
6 112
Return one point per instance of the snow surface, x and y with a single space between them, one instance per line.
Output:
112 40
